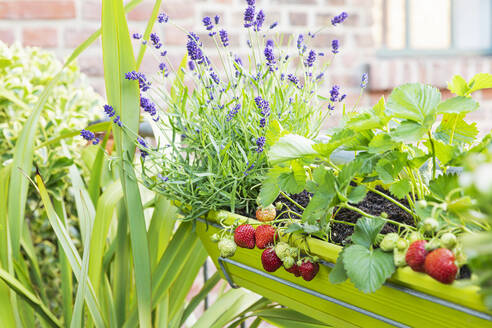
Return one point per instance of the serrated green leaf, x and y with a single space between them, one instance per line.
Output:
381 143
413 101
457 105
364 121
293 227
368 269
400 188
310 228
458 86
338 273
368 161
408 131
442 185
480 81
338 139
444 152
288 183
366 230
318 206
454 125
274 132
390 166
357 194
290 147
270 187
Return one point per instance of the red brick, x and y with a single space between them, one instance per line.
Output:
21 9
179 10
91 10
46 37
7 36
298 19
324 40
487 94
364 40
335 2
73 37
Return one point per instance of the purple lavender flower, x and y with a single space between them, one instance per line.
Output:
143 144
143 84
89 136
249 168
339 18
194 48
163 69
331 107
260 143
334 93
342 97
273 25
321 54
233 112
249 16
117 121
154 38
215 77
292 78
364 80
164 53
300 40
137 36
269 56
207 22
191 65
163 178
311 58
250 2
260 19
263 105
224 37
216 19
262 122
162 18
270 43
320 76
148 106
334 46
109 110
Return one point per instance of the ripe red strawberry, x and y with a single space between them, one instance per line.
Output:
264 236
244 236
294 270
416 254
439 264
271 262
266 214
309 270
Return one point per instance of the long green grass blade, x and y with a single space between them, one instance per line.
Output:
30 298
148 29
198 298
123 95
71 252
104 214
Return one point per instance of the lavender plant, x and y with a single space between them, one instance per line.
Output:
217 119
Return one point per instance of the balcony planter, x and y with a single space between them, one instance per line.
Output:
408 299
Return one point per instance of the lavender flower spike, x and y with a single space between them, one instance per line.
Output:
224 38
334 46
311 58
249 16
339 18
162 18
364 80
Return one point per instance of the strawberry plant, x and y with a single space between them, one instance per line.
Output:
405 151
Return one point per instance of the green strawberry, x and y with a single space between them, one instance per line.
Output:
227 247
389 242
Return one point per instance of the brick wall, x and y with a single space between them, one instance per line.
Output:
61 25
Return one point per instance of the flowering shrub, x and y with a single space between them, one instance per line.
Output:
217 119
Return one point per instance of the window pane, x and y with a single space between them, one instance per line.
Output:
395 24
430 24
472 24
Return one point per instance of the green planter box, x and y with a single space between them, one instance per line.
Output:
409 299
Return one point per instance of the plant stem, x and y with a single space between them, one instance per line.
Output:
433 155
370 216
343 222
291 200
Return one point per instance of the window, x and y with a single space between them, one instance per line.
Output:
435 26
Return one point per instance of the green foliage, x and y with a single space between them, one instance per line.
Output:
366 267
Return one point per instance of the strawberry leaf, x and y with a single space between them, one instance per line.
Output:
400 188
458 86
366 231
357 194
338 273
457 105
368 269
413 101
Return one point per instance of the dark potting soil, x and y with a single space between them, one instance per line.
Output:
373 204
